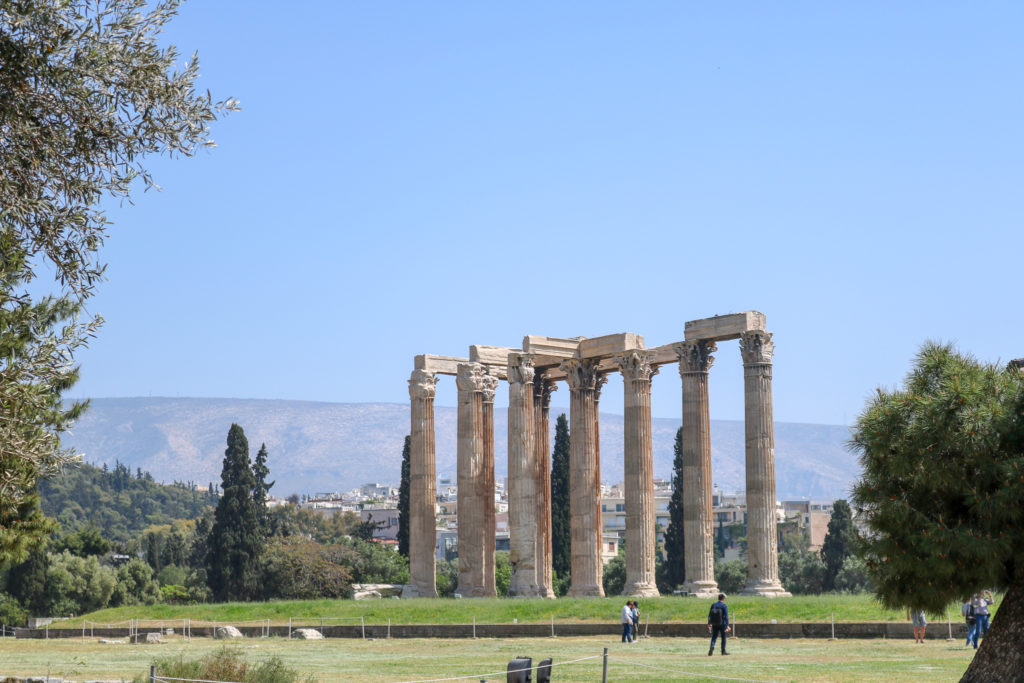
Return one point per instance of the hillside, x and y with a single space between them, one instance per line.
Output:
321 447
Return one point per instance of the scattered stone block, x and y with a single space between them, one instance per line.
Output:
228 632
374 591
307 634
154 638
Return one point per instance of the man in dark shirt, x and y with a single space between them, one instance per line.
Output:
718 623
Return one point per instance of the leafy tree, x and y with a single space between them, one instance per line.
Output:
840 542
801 570
675 569
11 611
135 585
614 578
403 500
86 93
731 576
853 576
260 492
447 574
943 476
502 572
561 539
236 538
75 585
301 568
84 542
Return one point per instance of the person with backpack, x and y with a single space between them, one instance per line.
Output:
972 628
718 623
635 614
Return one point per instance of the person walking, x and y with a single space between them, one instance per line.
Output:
916 616
981 614
627 622
718 623
972 627
635 614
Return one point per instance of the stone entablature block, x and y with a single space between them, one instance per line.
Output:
723 327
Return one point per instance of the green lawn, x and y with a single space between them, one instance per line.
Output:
391 661
818 608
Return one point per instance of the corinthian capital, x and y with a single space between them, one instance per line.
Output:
470 377
695 356
489 385
422 384
542 389
520 368
582 374
756 347
636 365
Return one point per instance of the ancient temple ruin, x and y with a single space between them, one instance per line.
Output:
532 373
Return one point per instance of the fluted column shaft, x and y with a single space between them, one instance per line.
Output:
490 385
542 460
695 360
522 478
584 477
639 474
422 485
757 349
470 476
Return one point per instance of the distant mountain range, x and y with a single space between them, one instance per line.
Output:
324 447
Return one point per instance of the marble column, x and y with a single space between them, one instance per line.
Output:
639 474
584 477
470 475
522 478
486 496
757 348
422 485
695 360
542 389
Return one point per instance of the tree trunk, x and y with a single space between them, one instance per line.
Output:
1000 656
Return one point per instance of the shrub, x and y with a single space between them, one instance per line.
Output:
226 664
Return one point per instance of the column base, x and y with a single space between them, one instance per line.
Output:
702 589
546 592
414 591
524 590
765 589
641 590
585 592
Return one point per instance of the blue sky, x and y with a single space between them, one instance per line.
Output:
411 178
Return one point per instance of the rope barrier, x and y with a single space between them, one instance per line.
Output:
501 673
696 675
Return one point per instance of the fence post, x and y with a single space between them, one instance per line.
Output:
474 627
833 624
152 673
362 620
389 628
604 667
552 625
289 628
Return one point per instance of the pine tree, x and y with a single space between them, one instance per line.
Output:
941 489
840 542
262 488
403 500
674 538
236 538
561 539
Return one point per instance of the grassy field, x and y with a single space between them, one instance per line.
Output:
392 661
817 608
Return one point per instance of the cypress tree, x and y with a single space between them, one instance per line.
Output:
675 569
262 488
561 558
236 539
840 542
403 501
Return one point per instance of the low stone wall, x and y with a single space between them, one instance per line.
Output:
935 631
